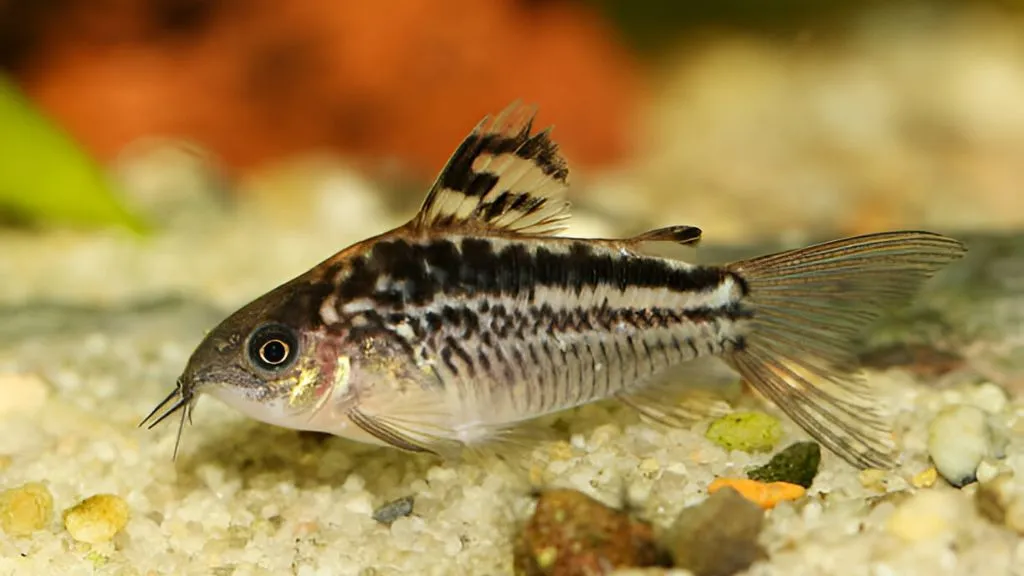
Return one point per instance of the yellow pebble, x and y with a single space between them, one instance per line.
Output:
97 559
547 557
97 518
766 496
25 509
560 450
925 479
649 465
872 478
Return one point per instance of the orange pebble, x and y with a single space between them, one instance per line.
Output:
764 495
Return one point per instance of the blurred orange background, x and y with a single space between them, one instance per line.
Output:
747 117
256 81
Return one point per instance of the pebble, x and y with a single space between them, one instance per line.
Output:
925 479
765 495
797 464
21 393
25 509
988 470
571 533
560 450
717 537
648 466
745 431
97 518
873 479
394 510
958 439
927 515
989 397
1001 501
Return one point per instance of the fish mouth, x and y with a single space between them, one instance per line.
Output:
179 400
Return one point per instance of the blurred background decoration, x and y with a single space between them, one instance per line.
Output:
746 118
45 173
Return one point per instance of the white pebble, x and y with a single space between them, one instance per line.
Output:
441 475
578 441
989 397
354 483
452 544
929 514
812 512
360 504
677 468
958 439
987 471
639 491
405 531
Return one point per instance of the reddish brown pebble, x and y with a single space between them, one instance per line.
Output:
571 534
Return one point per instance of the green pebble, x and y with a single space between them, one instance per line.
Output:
97 559
797 464
745 431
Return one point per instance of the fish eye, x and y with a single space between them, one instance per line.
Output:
272 347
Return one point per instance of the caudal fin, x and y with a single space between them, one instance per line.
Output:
809 307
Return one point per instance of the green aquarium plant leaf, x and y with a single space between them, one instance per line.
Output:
48 179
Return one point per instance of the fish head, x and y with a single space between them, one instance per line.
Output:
274 360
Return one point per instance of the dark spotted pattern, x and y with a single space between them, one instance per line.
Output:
554 353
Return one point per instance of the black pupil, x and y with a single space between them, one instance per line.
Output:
274 352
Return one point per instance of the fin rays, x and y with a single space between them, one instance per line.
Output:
810 305
501 178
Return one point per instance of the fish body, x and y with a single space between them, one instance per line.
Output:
475 316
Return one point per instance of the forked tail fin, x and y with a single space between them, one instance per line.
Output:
809 306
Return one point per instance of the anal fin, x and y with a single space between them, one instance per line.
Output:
511 443
685 393
422 422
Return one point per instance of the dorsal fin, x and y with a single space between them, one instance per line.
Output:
685 235
501 178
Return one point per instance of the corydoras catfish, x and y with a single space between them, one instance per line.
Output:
477 316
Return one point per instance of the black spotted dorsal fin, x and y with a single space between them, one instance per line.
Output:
501 178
